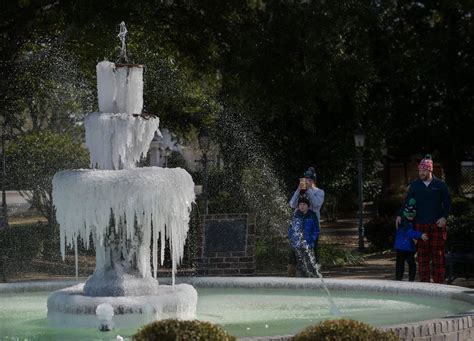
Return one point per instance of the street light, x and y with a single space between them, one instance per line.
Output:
167 152
204 145
204 141
4 214
359 140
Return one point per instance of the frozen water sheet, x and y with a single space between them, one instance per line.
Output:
118 140
120 87
158 197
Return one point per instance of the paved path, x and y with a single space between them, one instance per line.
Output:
377 266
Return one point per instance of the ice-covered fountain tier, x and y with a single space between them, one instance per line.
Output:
125 211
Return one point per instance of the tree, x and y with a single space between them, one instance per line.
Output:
32 161
423 54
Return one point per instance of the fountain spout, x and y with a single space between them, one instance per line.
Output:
123 49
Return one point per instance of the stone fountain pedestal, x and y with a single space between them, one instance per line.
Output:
71 308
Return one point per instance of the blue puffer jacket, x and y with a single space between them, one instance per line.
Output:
405 235
303 227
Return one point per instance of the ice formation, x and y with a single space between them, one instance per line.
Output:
120 88
69 307
125 210
158 199
117 141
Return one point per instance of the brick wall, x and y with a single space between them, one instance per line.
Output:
447 329
236 260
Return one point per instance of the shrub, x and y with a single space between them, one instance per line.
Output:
22 242
461 206
19 244
271 253
343 330
389 206
460 230
269 257
334 255
380 232
176 330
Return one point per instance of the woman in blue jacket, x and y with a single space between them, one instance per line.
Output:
404 242
303 235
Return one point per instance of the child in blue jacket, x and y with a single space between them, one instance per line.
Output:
404 242
303 235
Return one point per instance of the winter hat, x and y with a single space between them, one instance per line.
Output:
303 198
409 211
310 173
426 163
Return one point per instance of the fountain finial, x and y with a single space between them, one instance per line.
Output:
122 36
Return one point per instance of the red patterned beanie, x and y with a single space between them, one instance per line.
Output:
426 163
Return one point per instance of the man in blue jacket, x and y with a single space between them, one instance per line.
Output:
433 207
303 235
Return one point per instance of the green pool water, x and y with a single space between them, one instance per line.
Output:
242 312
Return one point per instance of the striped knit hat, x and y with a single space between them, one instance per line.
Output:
426 163
409 210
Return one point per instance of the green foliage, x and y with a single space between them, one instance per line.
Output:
176 330
380 232
343 330
22 242
273 258
461 206
460 230
268 257
32 161
330 254
19 244
390 206
176 160
303 73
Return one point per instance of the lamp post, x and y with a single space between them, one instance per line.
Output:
4 214
165 153
204 144
359 140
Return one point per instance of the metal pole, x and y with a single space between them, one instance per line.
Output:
361 200
4 219
206 175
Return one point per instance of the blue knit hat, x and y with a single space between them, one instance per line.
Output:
310 173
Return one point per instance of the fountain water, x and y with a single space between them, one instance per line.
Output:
307 259
125 210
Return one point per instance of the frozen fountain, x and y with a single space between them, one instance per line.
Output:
125 211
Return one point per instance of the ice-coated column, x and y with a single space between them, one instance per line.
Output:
120 87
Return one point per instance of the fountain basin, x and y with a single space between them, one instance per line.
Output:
270 307
69 307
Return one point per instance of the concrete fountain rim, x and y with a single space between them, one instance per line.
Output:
334 284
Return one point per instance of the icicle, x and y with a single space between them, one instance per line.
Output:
84 199
118 140
155 256
173 259
76 258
